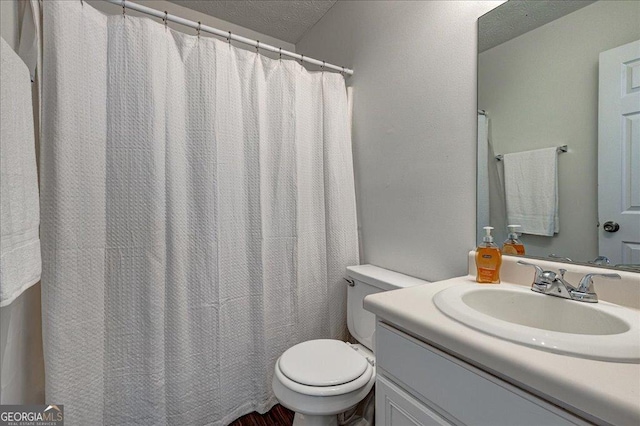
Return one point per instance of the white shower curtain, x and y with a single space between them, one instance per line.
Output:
198 213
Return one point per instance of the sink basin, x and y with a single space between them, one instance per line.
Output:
600 331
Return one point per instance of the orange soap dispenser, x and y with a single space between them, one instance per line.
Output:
512 244
488 260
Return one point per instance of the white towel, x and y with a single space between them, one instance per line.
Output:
531 189
20 263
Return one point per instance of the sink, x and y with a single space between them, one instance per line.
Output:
601 331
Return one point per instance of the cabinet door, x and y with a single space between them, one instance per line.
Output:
394 407
460 391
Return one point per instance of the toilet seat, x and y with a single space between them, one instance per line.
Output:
323 367
322 362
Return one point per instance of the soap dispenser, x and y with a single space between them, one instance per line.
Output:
512 244
488 260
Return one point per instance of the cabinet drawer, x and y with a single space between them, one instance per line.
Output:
394 407
469 395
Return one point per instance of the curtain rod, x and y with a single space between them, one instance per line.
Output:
559 149
226 34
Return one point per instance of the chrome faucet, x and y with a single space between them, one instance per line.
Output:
555 256
600 260
549 283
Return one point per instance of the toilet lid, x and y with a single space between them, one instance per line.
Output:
322 362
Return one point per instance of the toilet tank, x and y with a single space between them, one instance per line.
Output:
369 279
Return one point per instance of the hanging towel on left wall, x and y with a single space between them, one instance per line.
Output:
20 264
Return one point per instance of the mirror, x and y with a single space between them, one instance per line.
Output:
553 74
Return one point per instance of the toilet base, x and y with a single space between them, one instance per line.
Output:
309 420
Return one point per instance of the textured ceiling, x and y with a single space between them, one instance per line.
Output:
517 17
286 20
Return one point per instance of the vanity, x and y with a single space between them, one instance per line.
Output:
433 369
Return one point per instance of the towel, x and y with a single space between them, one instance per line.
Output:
531 190
20 263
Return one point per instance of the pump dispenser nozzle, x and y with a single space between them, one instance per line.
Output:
488 238
513 231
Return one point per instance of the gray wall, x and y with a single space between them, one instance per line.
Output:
541 90
414 126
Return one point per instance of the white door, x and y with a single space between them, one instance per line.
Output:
619 154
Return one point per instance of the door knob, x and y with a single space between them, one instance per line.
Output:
611 226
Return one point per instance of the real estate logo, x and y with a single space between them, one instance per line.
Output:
31 415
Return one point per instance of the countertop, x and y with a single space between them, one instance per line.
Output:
599 391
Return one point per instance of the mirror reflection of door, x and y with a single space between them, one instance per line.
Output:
619 154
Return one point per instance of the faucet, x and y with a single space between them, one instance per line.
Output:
549 283
600 260
555 256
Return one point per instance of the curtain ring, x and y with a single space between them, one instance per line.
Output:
198 30
301 59
229 38
165 19
322 67
257 46
280 49
123 10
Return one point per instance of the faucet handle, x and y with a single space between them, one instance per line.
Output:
538 279
539 270
587 281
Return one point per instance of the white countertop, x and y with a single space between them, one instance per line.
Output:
598 391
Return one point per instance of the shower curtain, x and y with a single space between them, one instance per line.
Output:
198 213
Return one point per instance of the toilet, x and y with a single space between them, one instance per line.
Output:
319 379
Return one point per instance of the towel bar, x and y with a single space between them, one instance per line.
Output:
563 148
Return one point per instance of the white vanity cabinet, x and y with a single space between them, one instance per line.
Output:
418 384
